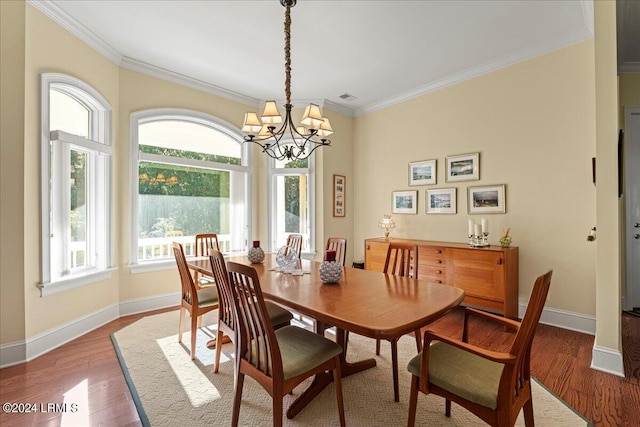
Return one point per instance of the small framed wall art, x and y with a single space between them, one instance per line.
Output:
486 199
404 202
464 167
339 200
422 173
441 201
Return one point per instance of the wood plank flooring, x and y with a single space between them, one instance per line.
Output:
86 371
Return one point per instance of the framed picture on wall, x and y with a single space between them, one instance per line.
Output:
464 167
404 202
441 201
339 200
422 173
486 199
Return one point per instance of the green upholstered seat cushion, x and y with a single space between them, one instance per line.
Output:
207 296
303 350
278 315
462 373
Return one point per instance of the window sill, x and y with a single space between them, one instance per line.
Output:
149 267
73 282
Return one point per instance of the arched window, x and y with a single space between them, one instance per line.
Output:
190 175
75 158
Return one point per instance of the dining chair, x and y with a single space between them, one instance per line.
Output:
294 241
279 359
401 260
339 245
227 322
195 301
204 243
494 386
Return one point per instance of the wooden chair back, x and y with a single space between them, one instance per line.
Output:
294 241
521 347
339 245
225 296
206 241
257 343
189 290
402 260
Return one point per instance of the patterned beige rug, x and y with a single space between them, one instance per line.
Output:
172 390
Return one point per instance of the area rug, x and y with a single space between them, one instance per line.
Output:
172 390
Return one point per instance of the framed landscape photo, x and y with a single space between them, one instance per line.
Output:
464 167
487 199
339 201
441 201
422 173
404 202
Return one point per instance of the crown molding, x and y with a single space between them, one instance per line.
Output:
521 56
65 20
340 109
181 79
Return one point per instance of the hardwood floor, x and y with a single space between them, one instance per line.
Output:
86 372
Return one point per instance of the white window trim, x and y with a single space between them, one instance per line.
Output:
190 116
272 173
101 130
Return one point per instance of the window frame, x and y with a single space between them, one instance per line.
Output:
190 116
97 145
272 174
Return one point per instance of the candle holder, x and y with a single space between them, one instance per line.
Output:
478 241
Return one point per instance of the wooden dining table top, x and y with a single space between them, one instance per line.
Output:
368 303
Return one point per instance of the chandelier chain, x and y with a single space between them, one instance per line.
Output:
287 53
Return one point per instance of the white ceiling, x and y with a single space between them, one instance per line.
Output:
382 52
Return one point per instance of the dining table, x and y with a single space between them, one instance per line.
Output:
364 302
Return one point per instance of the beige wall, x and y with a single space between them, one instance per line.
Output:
49 48
608 209
629 87
12 81
532 124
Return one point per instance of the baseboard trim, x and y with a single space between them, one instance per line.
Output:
26 350
607 360
156 302
565 319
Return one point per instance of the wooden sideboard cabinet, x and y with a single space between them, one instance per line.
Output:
488 276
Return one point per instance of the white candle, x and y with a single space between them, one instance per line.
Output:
485 226
470 228
478 230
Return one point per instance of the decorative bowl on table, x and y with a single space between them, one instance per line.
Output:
286 259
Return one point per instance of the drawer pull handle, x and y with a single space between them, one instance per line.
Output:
438 281
439 261
499 261
438 271
368 247
438 251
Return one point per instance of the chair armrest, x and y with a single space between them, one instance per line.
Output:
498 357
509 323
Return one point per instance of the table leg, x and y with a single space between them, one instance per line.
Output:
322 380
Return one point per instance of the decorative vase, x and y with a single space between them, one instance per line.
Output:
330 270
505 241
256 254
286 259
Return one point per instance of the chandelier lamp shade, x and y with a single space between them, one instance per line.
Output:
280 138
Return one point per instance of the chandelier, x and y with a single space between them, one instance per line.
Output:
279 138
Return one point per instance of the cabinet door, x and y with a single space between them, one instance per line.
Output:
479 273
375 254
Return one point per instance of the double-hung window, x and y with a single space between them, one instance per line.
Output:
75 159
291 209
189 175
